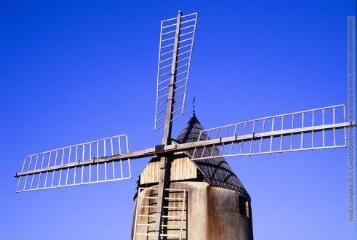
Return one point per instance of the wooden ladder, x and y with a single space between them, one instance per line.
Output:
174 218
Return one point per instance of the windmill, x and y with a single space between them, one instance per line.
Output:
187 187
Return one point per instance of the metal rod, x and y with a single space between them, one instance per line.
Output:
105 171
165 40
163 67
171 25
191 20
292 135
187 27
30 162
43 159
18 184
76 157
168 32
166 46
244 131
60 172
121 162
167 20
82 169
188 15
183 59
185 34
97 171
68 161
90 167
333 122
261 139
251 142
282 128
186 40
33 175
223 145
23 164
302 134
83 152
166 59
24 187
344 120
48 165
312 132
234 134
55 164
39 177
75 175
323 132
127 151
112 153
82 173
271 138
163 81
105 164
204 147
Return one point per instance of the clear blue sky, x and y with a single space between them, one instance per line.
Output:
72 71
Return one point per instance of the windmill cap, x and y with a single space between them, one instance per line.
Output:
216 170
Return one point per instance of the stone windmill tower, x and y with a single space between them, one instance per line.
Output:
207 192
187 191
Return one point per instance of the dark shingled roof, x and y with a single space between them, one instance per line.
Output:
216 170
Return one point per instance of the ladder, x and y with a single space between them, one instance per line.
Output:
174 218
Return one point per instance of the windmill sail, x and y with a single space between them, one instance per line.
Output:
78 164
319 128
175 51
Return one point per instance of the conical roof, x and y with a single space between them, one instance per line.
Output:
216 170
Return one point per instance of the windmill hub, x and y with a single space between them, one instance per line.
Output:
160 149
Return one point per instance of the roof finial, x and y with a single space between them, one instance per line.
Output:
193 106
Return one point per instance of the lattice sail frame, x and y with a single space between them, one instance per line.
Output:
75 165
187 28
319 128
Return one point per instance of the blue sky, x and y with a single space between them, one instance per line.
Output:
73 71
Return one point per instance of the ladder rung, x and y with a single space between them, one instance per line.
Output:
174 190
145 224
169 235
172 208
169 208
145 215
149 197
172 217
172 198
171 226
153 194
144 234
147 206
161 234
